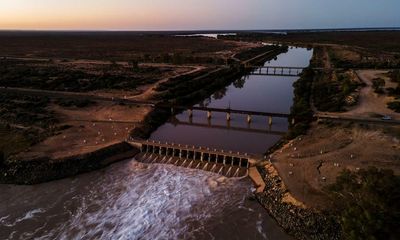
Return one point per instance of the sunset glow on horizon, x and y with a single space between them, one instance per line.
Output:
195 14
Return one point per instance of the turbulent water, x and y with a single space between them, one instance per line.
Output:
131 200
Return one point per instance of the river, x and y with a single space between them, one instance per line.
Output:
132 200
252 93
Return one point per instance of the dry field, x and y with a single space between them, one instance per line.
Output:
310 162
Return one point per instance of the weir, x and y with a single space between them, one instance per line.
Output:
229 164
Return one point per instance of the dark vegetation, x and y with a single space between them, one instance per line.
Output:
378 85
181 79
24 121
367 62
332 88
367 203
395 106
183 58
301 110
49 76
118 46
253 52
330 95
395 92
374 40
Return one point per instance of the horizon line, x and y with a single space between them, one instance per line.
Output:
203 30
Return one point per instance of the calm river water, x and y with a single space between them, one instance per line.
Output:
131 200
253 93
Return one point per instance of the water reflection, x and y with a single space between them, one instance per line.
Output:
252 93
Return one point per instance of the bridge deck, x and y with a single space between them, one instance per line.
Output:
241 129
227 110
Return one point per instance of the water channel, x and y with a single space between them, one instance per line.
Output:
131 200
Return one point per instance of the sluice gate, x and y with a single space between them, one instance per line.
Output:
226 163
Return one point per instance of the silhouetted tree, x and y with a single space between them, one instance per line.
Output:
2 158
367 203
134 64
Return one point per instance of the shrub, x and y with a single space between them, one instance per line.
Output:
378 84
367 203
395 106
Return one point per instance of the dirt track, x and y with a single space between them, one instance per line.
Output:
369 101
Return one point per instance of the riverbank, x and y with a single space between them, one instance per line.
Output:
292 215
44 169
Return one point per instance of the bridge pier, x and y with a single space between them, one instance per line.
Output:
249 118
209 114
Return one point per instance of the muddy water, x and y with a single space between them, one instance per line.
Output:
131 200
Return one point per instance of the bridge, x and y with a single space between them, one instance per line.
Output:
269 131
227 163
228 112
277 71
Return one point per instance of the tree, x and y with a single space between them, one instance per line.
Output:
2 158
367 203
378 84
134 64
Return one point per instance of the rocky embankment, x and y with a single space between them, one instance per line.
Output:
44 169
296 220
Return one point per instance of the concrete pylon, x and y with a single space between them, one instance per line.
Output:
209 114
249 118
228 116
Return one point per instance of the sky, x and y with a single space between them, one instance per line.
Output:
196 14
